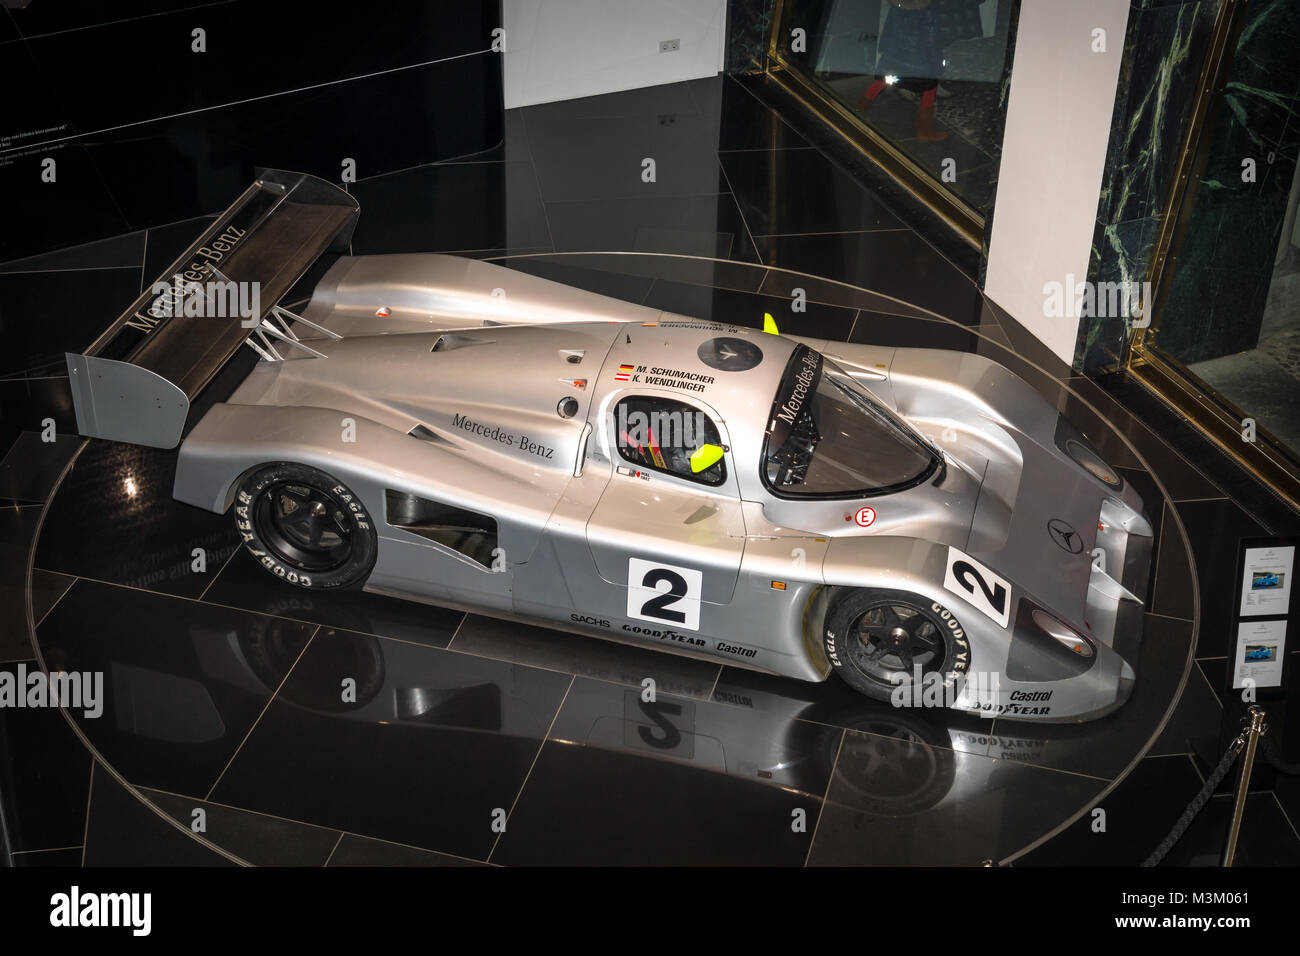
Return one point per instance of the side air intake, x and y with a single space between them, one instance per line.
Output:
468 532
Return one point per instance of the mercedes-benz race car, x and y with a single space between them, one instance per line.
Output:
447 430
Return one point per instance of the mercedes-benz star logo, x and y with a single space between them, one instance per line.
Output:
1066 537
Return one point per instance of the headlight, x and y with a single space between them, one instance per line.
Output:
1065 636
1092 463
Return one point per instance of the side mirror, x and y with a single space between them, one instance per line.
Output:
706 456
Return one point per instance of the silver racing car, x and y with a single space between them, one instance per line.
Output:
447 430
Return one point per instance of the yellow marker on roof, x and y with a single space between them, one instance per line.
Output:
769 323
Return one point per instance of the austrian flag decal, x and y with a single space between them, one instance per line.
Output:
624 373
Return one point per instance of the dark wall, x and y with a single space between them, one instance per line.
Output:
748 25
146 131
1217 297
1225 262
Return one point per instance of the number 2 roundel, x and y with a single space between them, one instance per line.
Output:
664 593
990 594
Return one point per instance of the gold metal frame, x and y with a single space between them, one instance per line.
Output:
1222 421
910 175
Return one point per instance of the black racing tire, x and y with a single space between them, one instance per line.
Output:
857 640
305 527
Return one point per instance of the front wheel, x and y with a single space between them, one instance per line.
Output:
880 640
305 527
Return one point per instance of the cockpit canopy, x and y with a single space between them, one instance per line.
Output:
827 438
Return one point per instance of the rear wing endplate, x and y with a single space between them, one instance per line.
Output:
135 382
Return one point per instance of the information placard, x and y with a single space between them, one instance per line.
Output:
1266 581
1261 650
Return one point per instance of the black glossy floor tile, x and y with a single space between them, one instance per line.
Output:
114 519
1214 528
629 288
46 776
1287 791
1266 838
61 858
797 192
46 314
899 801
1215 670
897 264
165 244
433 743
450 207
835 703
1183 478
128 89
48 589
664 99
16 528
1197 468
1193 727
8 31
1173 586
1105 747
123 830
355 850
1136 434
512 147
622 781
707 225
788 285
75 209
743 122
584 656
30 468
208 158
116 252
878 328
917 215
38 19
26 404
748 308
581 158
1138 814
1108 434
243 583
253 837
715 273
182 681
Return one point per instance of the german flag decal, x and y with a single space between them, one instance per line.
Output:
624 373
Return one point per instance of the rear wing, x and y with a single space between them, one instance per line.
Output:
135 382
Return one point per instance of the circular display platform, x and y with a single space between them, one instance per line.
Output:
320 723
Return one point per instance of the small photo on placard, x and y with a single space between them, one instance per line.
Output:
1261 646
1266 585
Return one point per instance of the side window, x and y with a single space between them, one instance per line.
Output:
660 434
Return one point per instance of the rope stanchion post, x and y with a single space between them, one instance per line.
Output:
1253 733
1211 784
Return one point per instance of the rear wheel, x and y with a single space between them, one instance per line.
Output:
878 640
305 527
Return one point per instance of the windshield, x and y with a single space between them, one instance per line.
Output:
827 438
